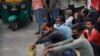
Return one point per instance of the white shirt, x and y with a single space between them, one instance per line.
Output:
69 21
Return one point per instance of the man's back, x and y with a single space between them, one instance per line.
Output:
65 29
85 48
54 37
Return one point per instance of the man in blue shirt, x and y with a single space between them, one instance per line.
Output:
61 26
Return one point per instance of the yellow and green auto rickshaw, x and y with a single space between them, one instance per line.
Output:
16 13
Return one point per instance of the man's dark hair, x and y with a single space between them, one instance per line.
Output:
78 27
80 8
62 18
86 11
49 24
89 20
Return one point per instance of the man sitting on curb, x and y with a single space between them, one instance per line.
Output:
80 44
51 35
61 26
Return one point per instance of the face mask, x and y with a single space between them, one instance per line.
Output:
75 36
45 31
58 25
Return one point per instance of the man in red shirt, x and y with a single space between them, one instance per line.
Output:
93 36
96 5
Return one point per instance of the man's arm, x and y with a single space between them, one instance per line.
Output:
40 37
46 38
63 42
44 2
43 40
39 41
73 45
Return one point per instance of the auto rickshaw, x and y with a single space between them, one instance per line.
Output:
16 13
0 10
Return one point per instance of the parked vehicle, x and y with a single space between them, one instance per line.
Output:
16 13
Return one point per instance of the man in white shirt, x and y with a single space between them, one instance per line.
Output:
68 17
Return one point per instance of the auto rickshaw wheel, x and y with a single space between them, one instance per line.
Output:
13 26
0 16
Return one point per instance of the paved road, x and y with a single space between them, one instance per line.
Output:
16 43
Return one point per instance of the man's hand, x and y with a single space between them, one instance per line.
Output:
98 21
48 51
33 46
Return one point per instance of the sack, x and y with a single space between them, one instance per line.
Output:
32 52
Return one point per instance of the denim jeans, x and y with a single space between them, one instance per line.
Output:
69 52
54 14
39 14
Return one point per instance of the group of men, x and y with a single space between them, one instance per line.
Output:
67 31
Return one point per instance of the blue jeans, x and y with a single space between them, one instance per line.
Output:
54 14
69 52
39 14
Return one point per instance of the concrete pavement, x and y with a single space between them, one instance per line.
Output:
16 43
